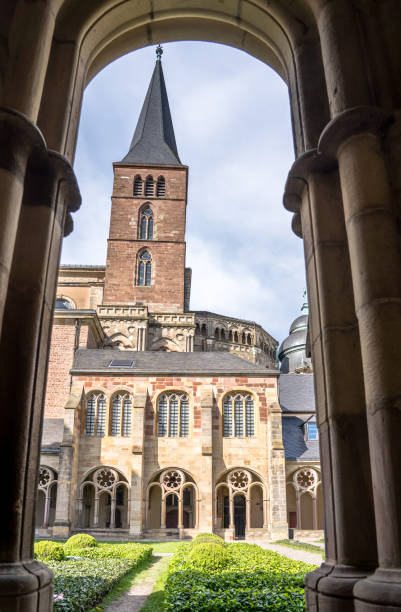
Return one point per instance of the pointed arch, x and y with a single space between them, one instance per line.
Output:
144 268
161 187
145 222
149 187
138 186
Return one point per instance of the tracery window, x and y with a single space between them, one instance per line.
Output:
161 187
138 185
173 415
149 187
144 276
121 415
238 415
249 339
146 223
95 414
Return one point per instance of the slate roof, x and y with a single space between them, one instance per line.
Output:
296 393
295 446
152 362
154 139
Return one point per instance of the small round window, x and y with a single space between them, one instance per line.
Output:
63 304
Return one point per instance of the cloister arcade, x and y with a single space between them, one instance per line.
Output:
46 498
305 499
172 501
240 502
103 500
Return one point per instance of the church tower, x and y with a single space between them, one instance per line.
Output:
146 245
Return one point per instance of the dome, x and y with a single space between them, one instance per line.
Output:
300 322
296 340
292 352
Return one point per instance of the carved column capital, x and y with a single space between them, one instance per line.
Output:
358 120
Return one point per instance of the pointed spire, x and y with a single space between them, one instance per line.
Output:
154 140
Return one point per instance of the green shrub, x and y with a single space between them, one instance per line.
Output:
253 579
204 538
80 584
47 550
128 550
81 540
209 556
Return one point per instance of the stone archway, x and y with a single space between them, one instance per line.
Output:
171 501
242 516
103 501
46 498
344 103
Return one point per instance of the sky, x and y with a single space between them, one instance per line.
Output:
232 124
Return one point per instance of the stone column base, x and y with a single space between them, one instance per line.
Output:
26 587
330 587
279 531
61 530
380 591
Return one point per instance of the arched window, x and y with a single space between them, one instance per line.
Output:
137 186
223 335
236 336
203 330
121 414
161 187
230 336
95 414
249 339
173 415
63 304
238 410
149 187
243 338
217 333
144 276
146 223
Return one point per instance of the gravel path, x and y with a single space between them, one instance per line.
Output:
293 553
135 597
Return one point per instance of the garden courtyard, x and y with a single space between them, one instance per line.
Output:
203 574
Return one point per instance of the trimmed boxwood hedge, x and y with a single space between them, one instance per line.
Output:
81 540
254 579
48 550
87 574
209 556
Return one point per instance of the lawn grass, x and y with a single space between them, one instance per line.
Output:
155 601
313 548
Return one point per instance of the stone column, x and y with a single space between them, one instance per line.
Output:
138 487
231 508
357 139
49 189
113 513
313 189
64 504
298 508
163 513
278 502
180 513
96 511
47 511
206 483
248 513
314 511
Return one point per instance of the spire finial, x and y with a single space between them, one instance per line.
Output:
159 52
305 306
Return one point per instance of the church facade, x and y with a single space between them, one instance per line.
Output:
161 421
